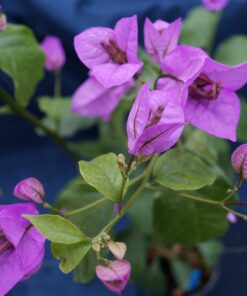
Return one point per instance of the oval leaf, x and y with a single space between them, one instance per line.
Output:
57 229
179 169
70 255
22 59
104 175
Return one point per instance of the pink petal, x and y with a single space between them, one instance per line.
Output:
88 46
239 160
126 36
217 117
110 74
232 77
215 5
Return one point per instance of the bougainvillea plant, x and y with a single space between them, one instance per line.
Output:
163 114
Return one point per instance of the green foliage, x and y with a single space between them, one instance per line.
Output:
199 28
242 126
150 71
57 229
104 175
179 169
85 271
78 194
188 222
70 255
60 118
232 51
22 59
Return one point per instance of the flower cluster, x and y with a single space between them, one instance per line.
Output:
191 88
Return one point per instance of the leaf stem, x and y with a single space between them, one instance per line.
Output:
85 208
36 122
133 198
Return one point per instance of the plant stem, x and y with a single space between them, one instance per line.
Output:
133 198
50 207
137 179
87 207
36 122
57 84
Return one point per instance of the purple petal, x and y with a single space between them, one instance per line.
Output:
160 25
109 75
12 223
157 139
232 77
18 264
126 36
91 99
88 46
217 117
184 63
138 116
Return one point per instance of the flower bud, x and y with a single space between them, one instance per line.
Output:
30 189
3 20
239 160
215 5
232 218
115 276
54 52
118 249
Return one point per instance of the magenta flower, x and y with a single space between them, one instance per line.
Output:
115 276
232 218
110 54
54 53
155 123
215 5
239 160
91 99
212 103
30 189
161 38
21 246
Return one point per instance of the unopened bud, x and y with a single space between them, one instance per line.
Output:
96 247
232 218
118 249
122 162
30 189
3 20
239 161
115 276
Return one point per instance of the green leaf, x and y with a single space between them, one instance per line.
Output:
78 194
143 205
70 255
85 271
22 59
59 116
187 222
242 131
211 251
232 51
179 169
57 229
103 174
199 28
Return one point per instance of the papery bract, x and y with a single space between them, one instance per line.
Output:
21 246
212 103
161 38
115 276
155 123
54 53
110 54
91 99
239 160
30 189
215 5
118 249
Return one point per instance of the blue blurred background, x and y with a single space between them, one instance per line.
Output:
24 154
